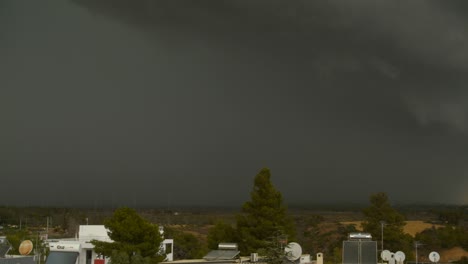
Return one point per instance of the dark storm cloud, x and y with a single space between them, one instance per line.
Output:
175 102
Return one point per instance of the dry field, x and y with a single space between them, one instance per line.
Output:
411 227
453 254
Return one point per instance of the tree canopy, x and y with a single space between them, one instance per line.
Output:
187 245
221 232
132 236
264 218
381 212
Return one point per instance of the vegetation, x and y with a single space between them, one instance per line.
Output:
274 252
263 224
186 245
196 230
263 217
380 212
463 260
221 232
452 216
322 234
132 236
120 257
453 234
15 237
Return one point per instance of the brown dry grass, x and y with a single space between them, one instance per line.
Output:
414 227
453 254
411 227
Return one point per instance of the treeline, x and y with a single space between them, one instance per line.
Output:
261 225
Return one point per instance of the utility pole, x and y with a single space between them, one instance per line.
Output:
382 223
416 245
38 254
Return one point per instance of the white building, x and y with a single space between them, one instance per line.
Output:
79 250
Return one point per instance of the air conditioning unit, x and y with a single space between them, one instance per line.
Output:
254 257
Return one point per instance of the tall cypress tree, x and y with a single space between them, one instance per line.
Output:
264 220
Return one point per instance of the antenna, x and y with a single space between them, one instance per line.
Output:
25 247
293 251
434 256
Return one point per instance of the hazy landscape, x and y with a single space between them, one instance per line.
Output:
172 107
318 229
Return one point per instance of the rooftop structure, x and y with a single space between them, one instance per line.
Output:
359 249
18 260
225 251
80 250
5 259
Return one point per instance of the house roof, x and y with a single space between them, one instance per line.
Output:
89 232
18 260
56 257
221 254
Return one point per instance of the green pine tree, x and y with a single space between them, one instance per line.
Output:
132 235
263 217
381 212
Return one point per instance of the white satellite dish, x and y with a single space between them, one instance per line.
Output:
434 256
293 251
400 256
386 255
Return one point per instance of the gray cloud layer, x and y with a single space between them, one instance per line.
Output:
183 102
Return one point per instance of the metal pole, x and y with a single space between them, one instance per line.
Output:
37 250
381 236
416 244
382 223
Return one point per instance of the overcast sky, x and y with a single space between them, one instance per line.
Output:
172 103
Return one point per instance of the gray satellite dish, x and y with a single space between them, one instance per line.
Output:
293 251
386 255
434 256
400 256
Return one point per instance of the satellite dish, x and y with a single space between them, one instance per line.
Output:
400 256
434 256
293 251
386 255
25 247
